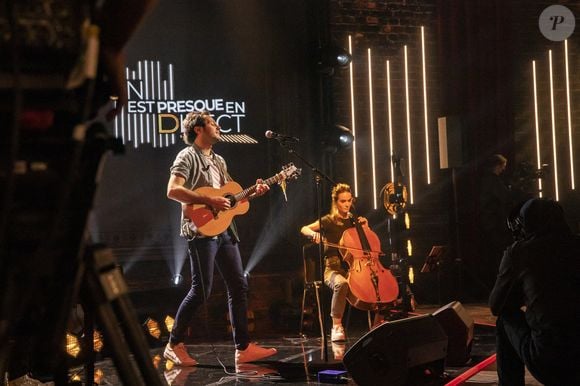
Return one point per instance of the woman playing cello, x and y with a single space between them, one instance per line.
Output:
333 225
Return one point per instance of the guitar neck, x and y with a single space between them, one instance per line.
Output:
247 193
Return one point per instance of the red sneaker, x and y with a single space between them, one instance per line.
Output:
178 354
253 353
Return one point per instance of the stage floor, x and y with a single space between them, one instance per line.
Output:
299 359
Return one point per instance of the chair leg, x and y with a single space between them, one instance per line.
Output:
320 316
302 313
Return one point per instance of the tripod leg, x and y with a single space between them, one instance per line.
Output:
136 340
107 285
114 338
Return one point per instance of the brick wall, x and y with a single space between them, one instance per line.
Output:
479 57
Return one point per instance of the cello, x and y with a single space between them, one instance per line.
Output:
372 286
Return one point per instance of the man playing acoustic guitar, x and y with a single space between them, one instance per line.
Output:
194 167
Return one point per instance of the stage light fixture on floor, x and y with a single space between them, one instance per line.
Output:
177 279
73 346
99 375
97 341
169 321
156 360
152 327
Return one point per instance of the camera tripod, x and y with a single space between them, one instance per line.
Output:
105 296
49 262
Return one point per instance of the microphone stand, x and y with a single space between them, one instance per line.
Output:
318 176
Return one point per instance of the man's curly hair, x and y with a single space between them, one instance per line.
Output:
191 120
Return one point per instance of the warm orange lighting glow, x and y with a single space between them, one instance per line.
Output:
76 377
169 321
153 328
73 346
99 375
157 360
97 341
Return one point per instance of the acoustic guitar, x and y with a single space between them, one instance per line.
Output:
210 221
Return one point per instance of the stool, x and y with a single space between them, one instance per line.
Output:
311 274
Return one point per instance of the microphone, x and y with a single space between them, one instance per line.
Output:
280 137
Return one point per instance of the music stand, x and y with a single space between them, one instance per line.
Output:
433 263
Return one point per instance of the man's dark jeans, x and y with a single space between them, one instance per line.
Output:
205 254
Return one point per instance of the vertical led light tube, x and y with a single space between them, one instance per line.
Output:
427 155
135 128
537 125
158 73
352 119
372 123
390 122
409 150
568 107
150 131
554 146
171 96
127 74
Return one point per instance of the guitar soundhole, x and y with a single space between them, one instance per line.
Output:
232 200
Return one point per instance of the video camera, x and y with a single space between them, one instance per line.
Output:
525 175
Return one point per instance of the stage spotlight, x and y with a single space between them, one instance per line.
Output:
73 346
337 137
156 361
97 341
246 274
99 375
333 57
75 377
152 327
177 279
169 321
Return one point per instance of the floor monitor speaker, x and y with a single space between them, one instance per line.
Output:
458 325
409 351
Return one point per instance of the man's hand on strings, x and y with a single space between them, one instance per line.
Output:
261 187
219 202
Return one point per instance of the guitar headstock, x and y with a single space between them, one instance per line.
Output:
290 171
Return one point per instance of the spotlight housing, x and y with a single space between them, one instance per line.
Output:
331 58
337 137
